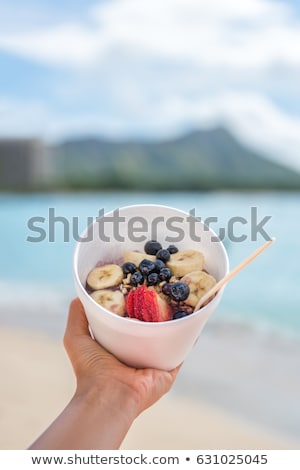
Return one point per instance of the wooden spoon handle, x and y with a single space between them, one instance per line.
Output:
232 273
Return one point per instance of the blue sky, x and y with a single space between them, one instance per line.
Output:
152 68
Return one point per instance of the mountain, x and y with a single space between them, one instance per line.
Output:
204 159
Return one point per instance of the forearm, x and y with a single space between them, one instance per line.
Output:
98 419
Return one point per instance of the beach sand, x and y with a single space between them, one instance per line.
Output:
37 381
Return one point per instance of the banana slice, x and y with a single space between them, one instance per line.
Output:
185 261
112 300
105 276
199 283
136 257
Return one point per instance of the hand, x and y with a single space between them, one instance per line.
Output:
108 397
94 366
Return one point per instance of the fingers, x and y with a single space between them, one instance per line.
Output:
165 380
172 377
169 377
173 373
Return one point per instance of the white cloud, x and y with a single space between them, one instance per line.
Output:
31 118
252 33
65 45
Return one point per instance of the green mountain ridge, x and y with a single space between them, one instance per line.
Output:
202 159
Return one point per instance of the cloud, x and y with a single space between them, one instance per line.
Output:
216 33
65 45
30 118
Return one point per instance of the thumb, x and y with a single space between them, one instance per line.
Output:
77 324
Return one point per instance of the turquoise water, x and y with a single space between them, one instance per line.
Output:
266 293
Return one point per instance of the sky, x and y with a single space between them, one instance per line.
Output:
152 69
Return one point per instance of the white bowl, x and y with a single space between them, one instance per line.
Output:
162 345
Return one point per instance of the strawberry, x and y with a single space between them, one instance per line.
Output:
129 304
145 304
140 310
158 308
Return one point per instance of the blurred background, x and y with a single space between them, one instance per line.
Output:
191 104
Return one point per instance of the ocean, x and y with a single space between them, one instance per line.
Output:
35 274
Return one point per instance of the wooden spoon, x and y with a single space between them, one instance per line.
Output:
232 273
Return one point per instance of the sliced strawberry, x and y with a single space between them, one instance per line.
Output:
145 312
130 304
135 303
160 310
164 309
150 305
145 304
139 304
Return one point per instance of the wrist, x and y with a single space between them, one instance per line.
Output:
117 399
95 418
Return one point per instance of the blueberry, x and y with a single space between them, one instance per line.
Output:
152 247
172 249
179 314
179 291
163 255
166 289
136 279
129 268
165 274
159 264
152 279
146 267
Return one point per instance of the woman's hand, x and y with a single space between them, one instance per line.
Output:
94 366
108 397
